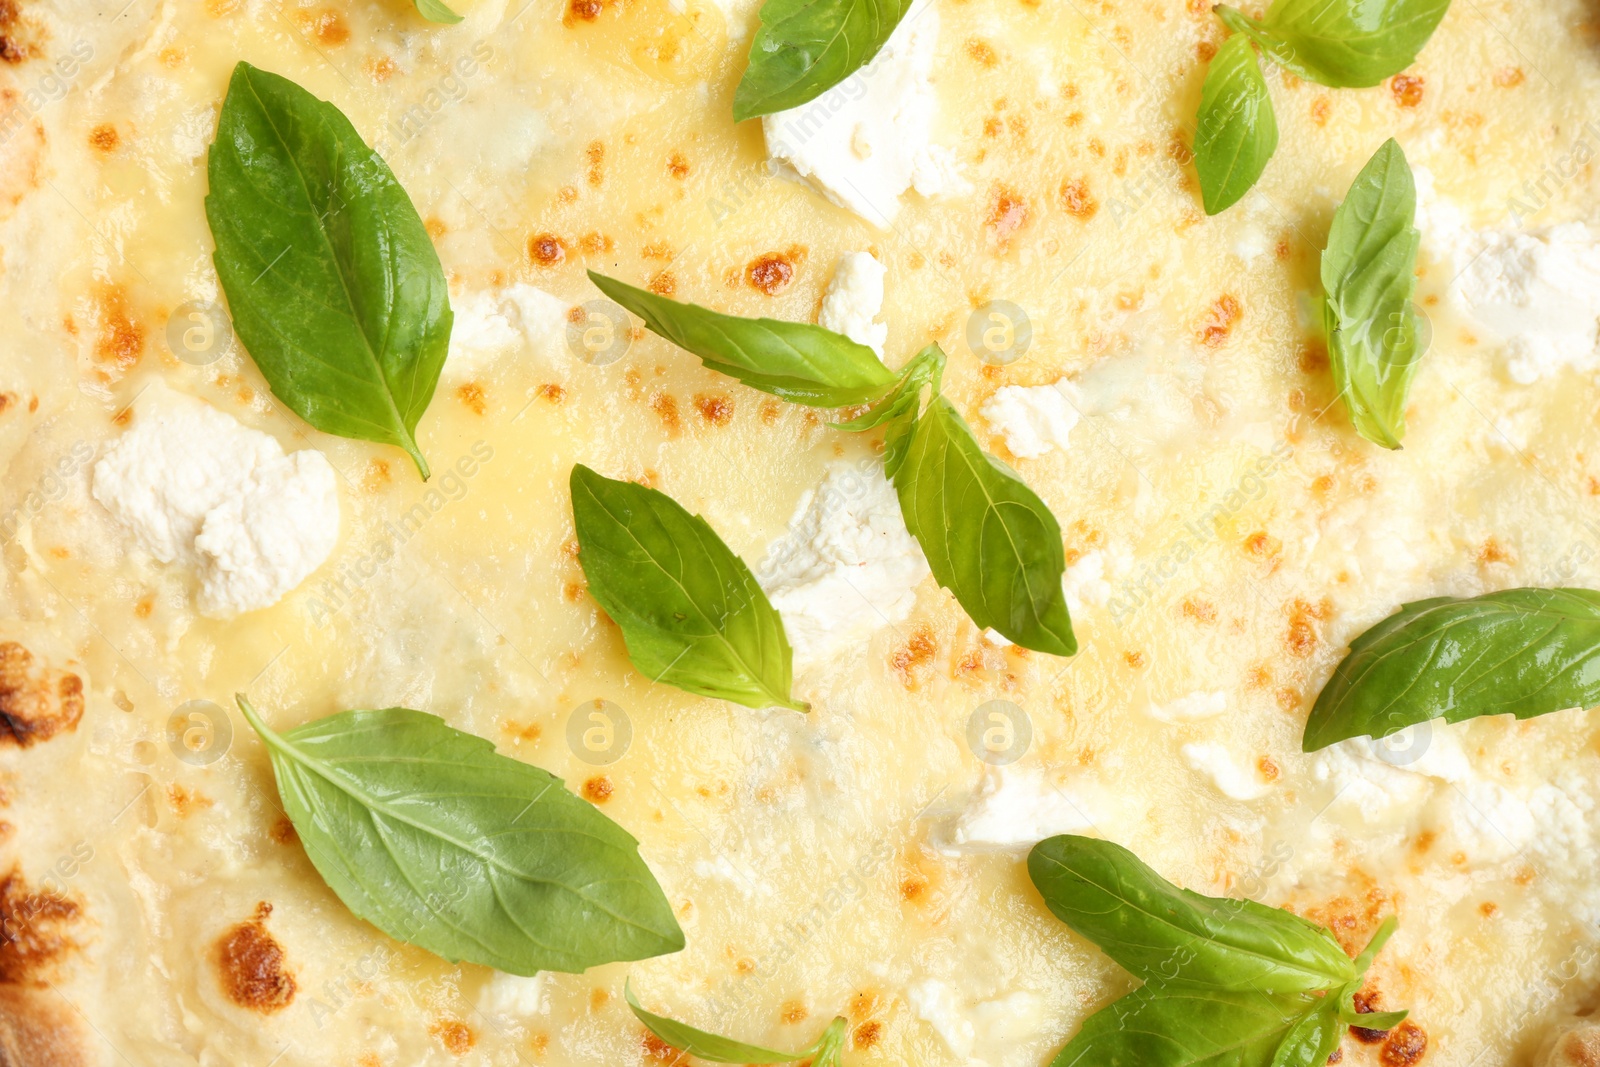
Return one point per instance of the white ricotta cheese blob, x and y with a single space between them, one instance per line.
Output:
846 567
195 486
491 322
1013 809
853 300
1191 707
1231 778
512 996
996 1023
1536 292
1032 419
867 140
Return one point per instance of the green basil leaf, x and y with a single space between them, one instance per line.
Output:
1312 1040
989 539
799 362
333 284
691 612
434 11
1159 1026
718 1049
1237 131
898 409
431 836
1368 278
1345 44
1168 935
1521 652
806 47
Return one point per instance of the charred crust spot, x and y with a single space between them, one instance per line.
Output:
552 392
1405 1045
715 408
1205 51
12 50
1407 89
867 1034
770 274
595 156
251 965
104 137
1133 658
598 790
583 11
663 283
546 249
1320 108
456 1036
1075 198
1197 610
1302 637
283 831
794 1012
770 410
657 1050
34 931
1492 551
1223 315
1509 77
35 704
982 53
678 166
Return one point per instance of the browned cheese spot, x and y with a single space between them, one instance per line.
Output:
251 965
36 704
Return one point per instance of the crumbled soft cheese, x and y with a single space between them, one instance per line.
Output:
935 1004
867 140
512 996
1231 778
195 486
992 1024
847 565
1089 579
1482 821
853 300
1033 419
1014 808
1191 707
1536 291
489 323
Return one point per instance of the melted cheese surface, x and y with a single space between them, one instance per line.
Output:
1229 535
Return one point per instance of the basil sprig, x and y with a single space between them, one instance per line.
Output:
1237 130
806 47
989 539
1338 43
1522 652
1343 44
1226 983
332 281
824 1052
691 612
430 835
434 11
1368 278
797 361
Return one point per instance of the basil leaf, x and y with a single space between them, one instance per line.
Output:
1158 1026
1368 278
331 279
1237 130
1164 934
691 612
1344 44
1521 652
806 47
434 11
718 1049
431 836
802 363
1312 1039
989 539
898 409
